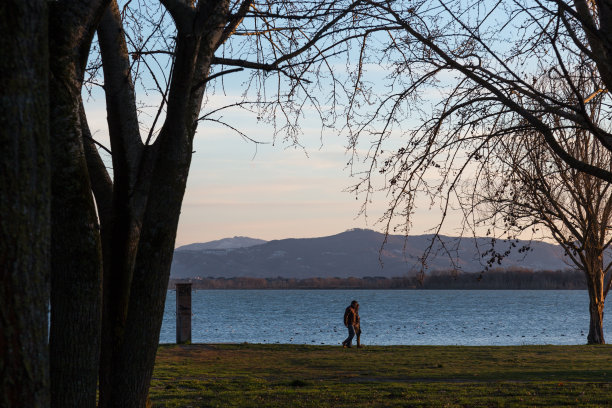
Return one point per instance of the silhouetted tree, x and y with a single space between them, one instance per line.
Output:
180 46
465 76
498 55
528 186
76 273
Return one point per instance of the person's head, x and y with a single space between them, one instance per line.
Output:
354 304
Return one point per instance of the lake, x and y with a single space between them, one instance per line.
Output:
388 317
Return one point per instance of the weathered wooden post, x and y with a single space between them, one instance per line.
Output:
183 313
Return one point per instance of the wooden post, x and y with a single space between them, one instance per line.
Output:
183 313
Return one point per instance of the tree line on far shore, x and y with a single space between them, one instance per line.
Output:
512 278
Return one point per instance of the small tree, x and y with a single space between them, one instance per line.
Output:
469 74
527 186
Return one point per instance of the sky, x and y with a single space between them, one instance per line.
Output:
270 190
266 191
274 191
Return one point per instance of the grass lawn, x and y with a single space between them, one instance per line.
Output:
257 375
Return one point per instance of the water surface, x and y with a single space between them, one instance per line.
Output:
388 317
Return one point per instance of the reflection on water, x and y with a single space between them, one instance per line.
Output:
437 317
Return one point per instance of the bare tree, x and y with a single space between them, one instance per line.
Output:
527 186
177 48
464 75
24 204
499 52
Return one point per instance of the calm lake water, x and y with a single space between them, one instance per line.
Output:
388 317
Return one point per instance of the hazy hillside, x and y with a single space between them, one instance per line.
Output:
354 253
225 243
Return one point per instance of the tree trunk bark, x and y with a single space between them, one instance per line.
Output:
76 270
596 309
136 359
76 264
595 284
162 178
127 202
134 353
172 154
24 204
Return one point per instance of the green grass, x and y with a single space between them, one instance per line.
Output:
248 375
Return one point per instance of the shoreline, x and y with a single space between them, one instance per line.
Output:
502 279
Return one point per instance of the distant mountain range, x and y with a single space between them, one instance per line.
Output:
355 253
223 244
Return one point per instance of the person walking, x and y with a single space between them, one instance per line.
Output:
351 318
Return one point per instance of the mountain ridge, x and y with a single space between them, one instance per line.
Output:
222 244
357 253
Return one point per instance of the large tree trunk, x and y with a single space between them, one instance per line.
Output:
76 264
24 204
148 293
134 353
593 258
128 195
76 269
596 308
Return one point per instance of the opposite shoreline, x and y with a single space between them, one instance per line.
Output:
497 279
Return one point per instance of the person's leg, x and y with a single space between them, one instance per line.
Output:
358 334
349 339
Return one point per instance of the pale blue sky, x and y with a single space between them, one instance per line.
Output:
272 193
272 190
267 191
275 192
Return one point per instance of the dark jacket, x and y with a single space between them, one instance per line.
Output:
349 316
